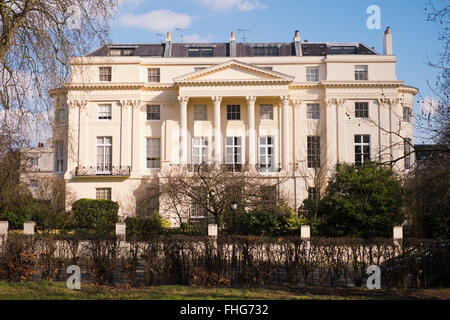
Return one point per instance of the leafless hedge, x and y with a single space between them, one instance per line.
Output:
227 261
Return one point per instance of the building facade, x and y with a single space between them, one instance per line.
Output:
284 109
38 168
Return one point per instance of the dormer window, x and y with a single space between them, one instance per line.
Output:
342 50
121 52
264 51
200 52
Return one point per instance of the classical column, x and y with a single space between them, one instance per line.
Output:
136 146
183 129
285 132
125 133
331 130
217 132
394 128
82 130
297 103
335 127
251 131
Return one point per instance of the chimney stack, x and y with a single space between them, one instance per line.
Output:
232 45
168 46
298 44
387 42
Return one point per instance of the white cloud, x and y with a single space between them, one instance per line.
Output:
241 5
196 38
158 20
248 6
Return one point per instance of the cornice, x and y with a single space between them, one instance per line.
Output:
356 83
343 84
232 81
409 89
241 82
294 85
105 86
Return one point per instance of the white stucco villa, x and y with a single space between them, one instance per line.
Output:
130 110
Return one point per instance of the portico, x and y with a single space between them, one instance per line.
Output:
236 91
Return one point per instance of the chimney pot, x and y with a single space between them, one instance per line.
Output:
168 46
298 44
232 45
387 42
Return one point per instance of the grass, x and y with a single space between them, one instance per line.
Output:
45 290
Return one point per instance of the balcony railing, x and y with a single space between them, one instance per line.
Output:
115 171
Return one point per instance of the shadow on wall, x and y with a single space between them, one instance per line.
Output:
147 198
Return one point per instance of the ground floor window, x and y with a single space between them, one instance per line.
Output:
362 148
200 150
313 151
234 153
153 153
267 154
407 150
33 184
103 193
312 193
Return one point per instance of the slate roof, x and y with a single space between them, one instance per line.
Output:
242 49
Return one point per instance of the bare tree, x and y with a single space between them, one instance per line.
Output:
213 188
427 188
316 167
37 40
15 197
437 120
52 202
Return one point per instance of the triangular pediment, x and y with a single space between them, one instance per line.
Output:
234 71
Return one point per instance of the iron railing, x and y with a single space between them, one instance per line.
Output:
91 171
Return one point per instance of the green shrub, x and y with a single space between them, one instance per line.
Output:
16 219
267 223
18 210
151 225
184 226
360 201
94 216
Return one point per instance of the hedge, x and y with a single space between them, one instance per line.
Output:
98 216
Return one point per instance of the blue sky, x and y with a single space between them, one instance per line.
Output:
414 39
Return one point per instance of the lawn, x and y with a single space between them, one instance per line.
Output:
57 290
